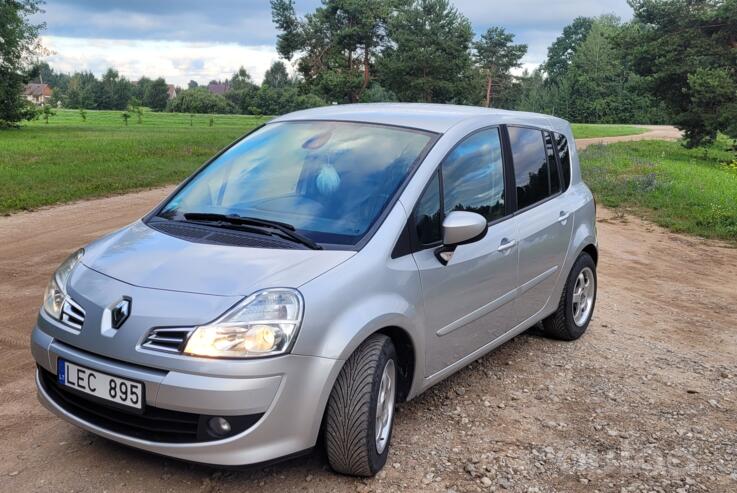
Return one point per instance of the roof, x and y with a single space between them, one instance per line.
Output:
218 88
34 89
432 117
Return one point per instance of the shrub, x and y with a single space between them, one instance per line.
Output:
199 100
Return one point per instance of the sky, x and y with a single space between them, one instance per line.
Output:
182 40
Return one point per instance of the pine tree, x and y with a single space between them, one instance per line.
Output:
496 55
429 58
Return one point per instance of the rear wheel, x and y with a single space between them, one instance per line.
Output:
572 317
360 411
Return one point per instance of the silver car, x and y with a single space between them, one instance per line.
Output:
325 267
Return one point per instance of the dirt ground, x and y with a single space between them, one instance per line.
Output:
655 132
645 401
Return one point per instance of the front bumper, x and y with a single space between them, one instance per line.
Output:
290 391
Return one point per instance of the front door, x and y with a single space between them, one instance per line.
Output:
470 301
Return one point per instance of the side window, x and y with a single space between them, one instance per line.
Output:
427 214
530 165
565 158
552 165
473 176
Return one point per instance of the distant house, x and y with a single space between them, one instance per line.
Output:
218 88
171 91
38 94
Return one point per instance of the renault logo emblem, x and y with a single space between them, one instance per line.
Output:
120 312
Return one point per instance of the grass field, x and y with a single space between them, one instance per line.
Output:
94 119
685 190
67 159
590 131
70 159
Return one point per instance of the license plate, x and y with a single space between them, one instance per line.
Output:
101 385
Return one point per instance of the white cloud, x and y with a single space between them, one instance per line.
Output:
176 61
537 13
203 42
536 23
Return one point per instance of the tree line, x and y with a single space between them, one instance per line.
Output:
674 62
278 93
110 92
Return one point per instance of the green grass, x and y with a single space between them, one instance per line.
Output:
590 130
70 159
72 118
685 190
67 159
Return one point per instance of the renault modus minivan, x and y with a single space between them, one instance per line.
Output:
325 267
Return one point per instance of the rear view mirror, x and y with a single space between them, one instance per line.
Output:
460 227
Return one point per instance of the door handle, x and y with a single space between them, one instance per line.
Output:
506 245
563 217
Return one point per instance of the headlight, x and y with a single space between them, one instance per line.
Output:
264 324
56 291
53 299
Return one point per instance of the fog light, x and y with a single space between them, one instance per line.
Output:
219 426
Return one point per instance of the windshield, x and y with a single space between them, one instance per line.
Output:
330 180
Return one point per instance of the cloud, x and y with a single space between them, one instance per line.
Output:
536 23
228 21
176 61
537 14
209 40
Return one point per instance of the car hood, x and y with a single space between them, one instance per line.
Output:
141 256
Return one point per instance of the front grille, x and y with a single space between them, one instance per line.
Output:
72 314
171 340
155 424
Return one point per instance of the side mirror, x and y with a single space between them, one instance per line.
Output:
460 227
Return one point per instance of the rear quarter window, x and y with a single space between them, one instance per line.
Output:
552 164
561 143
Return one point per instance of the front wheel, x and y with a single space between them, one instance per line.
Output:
360 411
576 305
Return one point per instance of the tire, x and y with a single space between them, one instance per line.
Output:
565 323
350 424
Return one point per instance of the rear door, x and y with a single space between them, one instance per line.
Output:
544 221
470 301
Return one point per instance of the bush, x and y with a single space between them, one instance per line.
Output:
377 94
270 101
199 100
243 98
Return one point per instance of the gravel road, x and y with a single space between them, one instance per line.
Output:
654 132
645 401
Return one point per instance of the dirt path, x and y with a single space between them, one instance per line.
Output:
655 132
646 401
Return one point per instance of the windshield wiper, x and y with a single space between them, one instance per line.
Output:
283 229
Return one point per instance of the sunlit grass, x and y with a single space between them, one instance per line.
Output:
104 118
68 159
685 190
74 157
590 130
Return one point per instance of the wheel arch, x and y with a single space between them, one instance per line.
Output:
593 251
388 314
406 356
583 241
406 347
